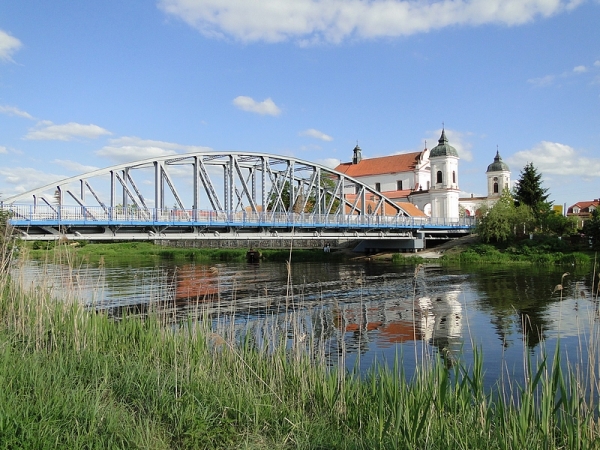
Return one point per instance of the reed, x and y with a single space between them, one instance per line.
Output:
73 377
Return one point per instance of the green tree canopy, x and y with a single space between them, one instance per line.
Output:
591 228
505 220
529 191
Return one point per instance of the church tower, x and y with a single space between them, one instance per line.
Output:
498 177
357 156
444 180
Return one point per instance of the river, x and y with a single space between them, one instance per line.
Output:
356 313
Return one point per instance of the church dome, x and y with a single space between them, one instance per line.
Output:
443 148
498 165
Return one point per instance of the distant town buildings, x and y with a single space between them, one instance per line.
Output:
582 211
426 182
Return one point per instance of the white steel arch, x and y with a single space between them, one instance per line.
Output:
221 182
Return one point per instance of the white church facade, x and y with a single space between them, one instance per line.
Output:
426 182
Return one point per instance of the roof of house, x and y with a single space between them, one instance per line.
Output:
584 206
392 195
410 209
403 162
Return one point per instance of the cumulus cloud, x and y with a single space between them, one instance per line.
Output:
310 21
553 158
47 131
332 163
14 111
542 81
8 46
3 149
131 148
17 180
552 79
266 107
74 166
311 132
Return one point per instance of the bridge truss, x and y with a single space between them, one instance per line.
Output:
204 193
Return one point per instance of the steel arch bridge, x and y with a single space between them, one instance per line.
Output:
209 193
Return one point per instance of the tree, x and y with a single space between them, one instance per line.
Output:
529 191
591 228
505 220
558 224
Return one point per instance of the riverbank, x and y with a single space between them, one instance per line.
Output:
541 250
467 250
74 378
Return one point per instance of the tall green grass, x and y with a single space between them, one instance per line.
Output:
74 378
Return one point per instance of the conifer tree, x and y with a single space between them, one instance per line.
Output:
529 191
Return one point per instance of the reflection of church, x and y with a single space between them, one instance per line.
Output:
426 180
436 320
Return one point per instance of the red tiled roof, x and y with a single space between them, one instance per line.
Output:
392 195
385 164
410 209
584 206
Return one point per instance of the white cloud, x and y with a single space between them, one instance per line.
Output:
131 148
542 81
310 21
14 111
580 69
553 158
17 180
8 46
597 63
74 166
47 131
311 132
3 149
332 163
266 107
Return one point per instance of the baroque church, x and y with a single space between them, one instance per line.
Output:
425 183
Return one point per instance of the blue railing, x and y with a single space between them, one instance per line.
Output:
30 215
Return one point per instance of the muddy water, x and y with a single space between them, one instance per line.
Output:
354 314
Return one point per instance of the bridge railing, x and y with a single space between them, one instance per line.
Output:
24 215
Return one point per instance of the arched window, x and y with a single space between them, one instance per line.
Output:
495 185
439 176
453 177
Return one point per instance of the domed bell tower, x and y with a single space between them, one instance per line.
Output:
444 180
498 177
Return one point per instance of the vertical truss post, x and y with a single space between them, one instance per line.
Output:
113 189
158 188
231 183
263 194
195 195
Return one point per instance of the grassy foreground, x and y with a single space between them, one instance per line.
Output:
73 378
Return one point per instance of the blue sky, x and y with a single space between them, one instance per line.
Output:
86 85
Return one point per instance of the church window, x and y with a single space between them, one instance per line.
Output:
453 177
356 188
428 185
399 185
495 185
439 176
378 186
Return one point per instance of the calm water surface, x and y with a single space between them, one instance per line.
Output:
358 313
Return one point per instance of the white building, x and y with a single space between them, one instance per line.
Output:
427 179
